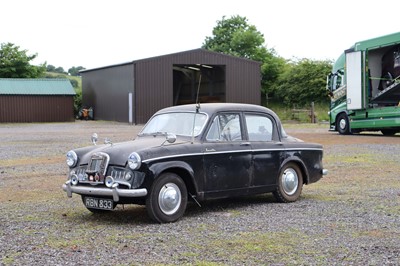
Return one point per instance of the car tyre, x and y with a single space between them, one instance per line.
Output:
342 124
167 199
290 183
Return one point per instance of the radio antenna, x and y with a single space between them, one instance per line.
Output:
198 91
197 108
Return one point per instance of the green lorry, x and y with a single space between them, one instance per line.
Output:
364 87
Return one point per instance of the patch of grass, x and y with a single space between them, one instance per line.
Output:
271 246
9 259
286 113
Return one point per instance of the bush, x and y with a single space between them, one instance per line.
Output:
77 102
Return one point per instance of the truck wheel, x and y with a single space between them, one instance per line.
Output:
389 132
342 124
290 184
167 199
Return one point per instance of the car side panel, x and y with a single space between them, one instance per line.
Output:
267 159
227 167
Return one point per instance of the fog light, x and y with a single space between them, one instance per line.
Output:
74 180
128 176
109 181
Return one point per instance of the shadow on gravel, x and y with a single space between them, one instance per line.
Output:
136 214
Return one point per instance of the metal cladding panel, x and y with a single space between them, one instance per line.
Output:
28 109
243 83
151 82
22 86
107 91
155 85
154 88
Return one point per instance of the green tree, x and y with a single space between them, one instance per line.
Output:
50 68
60 70
235 36
303 82
15 63
74 71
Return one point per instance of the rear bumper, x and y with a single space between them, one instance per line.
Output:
114 192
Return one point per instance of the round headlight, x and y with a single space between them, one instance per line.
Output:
72 158
134 161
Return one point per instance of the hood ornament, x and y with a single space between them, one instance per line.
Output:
95 138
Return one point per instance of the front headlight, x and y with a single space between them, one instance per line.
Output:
134 161
72 158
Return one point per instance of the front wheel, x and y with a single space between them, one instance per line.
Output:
290 184
342 124
167 199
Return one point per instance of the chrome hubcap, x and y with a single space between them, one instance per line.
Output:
290 181
342 123
169 198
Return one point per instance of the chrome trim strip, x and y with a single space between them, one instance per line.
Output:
208 152
115 192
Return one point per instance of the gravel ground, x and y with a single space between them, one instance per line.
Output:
350 217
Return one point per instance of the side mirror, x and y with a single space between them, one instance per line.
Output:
171 138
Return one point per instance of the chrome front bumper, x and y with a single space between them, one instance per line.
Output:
115 192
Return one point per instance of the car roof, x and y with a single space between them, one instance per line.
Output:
211 108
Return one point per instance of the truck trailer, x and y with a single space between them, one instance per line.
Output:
364 87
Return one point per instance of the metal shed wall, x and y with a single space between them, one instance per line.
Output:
36 108
107 91
154 79
151 82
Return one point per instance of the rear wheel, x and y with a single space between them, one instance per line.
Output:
290 183
389 132
167 199
342 124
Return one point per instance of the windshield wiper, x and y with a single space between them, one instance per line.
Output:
159 133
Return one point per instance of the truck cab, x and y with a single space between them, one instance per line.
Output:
364 87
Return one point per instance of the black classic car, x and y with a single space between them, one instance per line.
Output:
195 152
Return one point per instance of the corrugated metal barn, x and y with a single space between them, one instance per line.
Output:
36 100
133 91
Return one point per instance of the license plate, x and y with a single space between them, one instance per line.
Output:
96 203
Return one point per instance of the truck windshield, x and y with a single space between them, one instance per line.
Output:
334 81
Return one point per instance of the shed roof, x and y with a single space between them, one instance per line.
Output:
194 51
36 87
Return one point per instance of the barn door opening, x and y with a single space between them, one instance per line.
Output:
186 79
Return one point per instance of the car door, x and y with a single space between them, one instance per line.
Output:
227 157
267 149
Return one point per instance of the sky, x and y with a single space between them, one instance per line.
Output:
97 33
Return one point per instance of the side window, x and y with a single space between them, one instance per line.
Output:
225 127
259 127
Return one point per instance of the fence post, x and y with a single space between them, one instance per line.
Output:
312 113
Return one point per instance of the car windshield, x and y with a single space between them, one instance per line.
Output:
184 124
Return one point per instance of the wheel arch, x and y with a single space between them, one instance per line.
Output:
337 118
182 169
296 160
